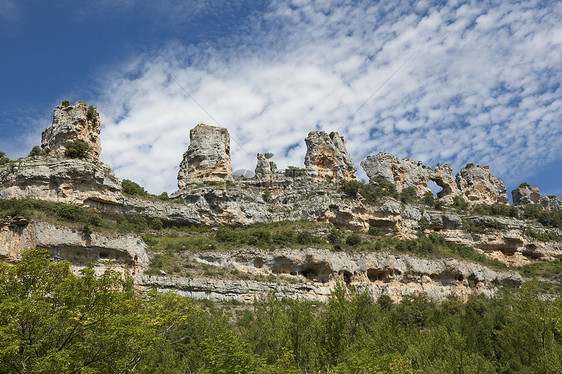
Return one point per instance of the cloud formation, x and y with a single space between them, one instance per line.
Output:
481 84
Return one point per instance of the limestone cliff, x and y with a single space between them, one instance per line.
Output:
327 159
525 194
71 123
478 186
207 158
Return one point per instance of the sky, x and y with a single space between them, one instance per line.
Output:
452 82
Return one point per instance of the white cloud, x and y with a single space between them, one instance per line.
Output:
482 86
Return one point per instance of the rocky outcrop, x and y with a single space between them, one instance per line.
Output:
71 181
406 173
263 169
327 159
207 158
71 123
525 194
311 273
478 186
126 252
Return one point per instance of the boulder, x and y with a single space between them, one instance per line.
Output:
263 168
327 159
208 157
525 194
72 123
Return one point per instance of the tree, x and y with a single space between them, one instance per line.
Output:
77 149
65 103
133 189
52 321
3 158
37 151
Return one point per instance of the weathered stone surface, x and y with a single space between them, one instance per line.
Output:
56 179
263 169
207 158
71 123
314 272
551 202
525 194
327 159
478 186
125 251
406 173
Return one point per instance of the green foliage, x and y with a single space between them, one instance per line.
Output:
272 166
156 224
351 188
332 134
496 210
294 172
266 196
543 235
542 269
29 208
133 189
77 149
428 198
408 195
353 240
379 187
3 159
375 231
92 112
460 203
37 151
268 155
164 196
65 103
52 321
524 184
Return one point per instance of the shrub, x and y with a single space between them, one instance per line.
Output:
91 113
37 151
332 134
428 198
139 223
77 149
305 237
293 172
353 240
375 231
268 155
284 236
226 234
351 188
164 196
408 195
65 103
3 159
460 203
335 236
156 224
133 189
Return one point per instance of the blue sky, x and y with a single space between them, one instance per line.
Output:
470 81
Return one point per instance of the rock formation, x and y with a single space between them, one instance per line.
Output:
407 173
551 202
263 168
525 194
327 159
71 123
478 186
207 158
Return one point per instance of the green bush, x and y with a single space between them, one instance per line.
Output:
37 151
428 199
408 195
293 172
226 234
156 224
65 103
77 149
353 240
133 189
460 203
375 231
92 112
3 159
351 188
305 238
285 236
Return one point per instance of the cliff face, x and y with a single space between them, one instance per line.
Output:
71 123
205 198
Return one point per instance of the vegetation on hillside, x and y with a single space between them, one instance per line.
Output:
50 322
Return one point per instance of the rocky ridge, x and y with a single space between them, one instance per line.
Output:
209 195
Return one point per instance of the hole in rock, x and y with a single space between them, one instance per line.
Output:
377 275
346 276
434 187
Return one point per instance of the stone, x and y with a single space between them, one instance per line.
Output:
405 173
72 123
551 203
525 194
263 168
327 159
207 158
478 186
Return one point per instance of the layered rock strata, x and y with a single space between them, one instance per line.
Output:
311 273
207 158
71 123
125 252
327 159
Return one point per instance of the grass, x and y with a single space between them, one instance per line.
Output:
541 269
